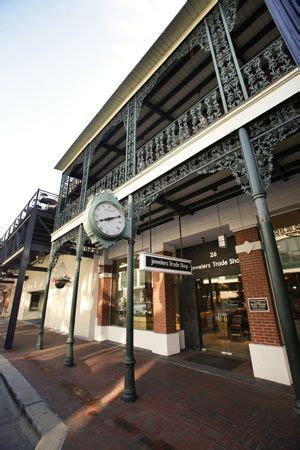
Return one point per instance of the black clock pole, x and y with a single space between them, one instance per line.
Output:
129 394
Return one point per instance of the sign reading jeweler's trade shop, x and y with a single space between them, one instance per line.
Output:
165 264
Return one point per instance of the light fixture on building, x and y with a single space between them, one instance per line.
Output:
221 237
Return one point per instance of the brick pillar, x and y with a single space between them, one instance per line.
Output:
264 327
164 312
104 294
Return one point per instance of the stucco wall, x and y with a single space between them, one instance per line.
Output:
59 300
34 283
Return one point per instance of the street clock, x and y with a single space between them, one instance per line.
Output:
104 220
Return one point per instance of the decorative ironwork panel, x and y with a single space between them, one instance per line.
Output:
290 231
141 204
199 116
111 181
130 124
196 38
270 64
118 118
265 133
62 195
230 10
88 153
229 77
263 146
69 212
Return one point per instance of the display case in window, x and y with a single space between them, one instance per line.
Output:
142 297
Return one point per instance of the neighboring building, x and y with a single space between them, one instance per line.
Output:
172 135
24 257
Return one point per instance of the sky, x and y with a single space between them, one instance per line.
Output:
60 62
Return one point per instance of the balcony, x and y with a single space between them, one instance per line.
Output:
171 113
14 240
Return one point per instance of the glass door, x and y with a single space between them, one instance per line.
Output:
223 315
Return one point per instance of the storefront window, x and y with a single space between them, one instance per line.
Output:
213 303
142 303
223 314
289 250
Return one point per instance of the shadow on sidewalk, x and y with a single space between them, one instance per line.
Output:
178 406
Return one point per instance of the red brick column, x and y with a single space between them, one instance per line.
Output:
264 327
164 312
104 294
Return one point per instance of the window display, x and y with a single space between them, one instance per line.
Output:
289 251
142 302
223 314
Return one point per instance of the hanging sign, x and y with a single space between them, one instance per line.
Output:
258 304
166 264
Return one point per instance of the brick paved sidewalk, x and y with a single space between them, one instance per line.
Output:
177 407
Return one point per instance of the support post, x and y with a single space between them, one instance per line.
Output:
213 55
282 302
233 54
130 125
23 266
40 340
85 175
64 178
69 358
129 394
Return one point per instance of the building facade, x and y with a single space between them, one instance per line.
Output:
202 130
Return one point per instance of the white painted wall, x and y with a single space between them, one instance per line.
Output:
270 363
59 300
159 343
34 283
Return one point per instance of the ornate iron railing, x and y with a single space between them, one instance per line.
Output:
111 180
266 67
198 117
42 199
68 213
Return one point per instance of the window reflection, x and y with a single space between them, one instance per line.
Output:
142 300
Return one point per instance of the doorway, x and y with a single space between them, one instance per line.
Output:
222 315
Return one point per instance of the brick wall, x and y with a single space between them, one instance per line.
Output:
264 327
164 309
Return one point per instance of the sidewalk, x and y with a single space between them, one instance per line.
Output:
178 407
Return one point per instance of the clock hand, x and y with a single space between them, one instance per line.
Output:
109 218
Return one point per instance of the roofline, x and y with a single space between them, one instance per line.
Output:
182 24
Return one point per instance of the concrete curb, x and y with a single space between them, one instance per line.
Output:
49 426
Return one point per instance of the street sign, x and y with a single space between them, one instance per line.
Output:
166 264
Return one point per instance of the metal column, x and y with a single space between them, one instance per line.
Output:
283 306
69 359
265 226
40 341
129 394
23 266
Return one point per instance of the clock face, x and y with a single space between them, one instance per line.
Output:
109 219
